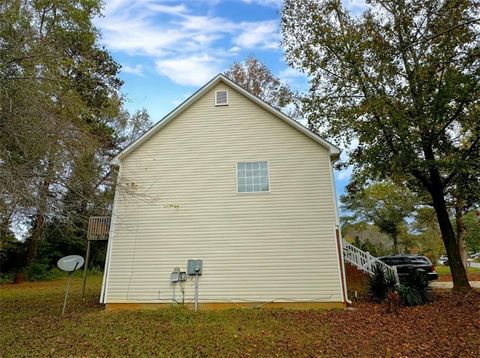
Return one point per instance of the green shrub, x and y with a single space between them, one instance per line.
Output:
409 296
414 289
6 278
381 282
42 272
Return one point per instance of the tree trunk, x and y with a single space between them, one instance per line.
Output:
459 203
459 274
395 242
37 233
39 221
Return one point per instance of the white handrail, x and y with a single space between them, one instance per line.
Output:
363 260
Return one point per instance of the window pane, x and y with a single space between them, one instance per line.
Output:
252 177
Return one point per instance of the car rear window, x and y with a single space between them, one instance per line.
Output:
395 260
405 260
420 260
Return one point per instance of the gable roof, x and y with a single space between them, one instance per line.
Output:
334 150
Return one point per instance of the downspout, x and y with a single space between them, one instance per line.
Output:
103 293
338 236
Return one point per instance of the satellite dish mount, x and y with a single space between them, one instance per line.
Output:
69 264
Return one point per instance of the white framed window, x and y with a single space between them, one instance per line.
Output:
253 177
221 98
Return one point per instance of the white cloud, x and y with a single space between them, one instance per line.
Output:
135 70
356 7
207 24
290 75
273 3
194 71
167 9
263 34
345 173
234 49
186 47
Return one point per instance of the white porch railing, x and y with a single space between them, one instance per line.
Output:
363 260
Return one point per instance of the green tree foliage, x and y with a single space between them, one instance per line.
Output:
375 249
403 79
366 236
381 283
383 204
61 117
256 78
471 221
426 233
414 290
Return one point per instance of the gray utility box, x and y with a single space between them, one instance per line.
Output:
194 267
177 275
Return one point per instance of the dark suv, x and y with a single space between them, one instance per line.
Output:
406 263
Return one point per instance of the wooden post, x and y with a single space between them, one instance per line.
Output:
98 230
85 269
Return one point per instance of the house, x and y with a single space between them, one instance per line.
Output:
227 179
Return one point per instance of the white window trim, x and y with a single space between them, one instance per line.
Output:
253 192
221 104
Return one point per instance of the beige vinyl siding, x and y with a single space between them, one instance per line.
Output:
177 199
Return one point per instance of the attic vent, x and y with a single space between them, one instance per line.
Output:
221 98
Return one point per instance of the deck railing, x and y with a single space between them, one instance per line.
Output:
364 260
98 228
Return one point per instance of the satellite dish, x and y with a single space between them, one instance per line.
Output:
70 263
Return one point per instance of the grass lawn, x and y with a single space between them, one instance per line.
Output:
31 326
445 275
445 270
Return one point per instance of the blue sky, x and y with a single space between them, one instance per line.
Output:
168 49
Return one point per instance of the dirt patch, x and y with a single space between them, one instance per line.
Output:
357 282
475 276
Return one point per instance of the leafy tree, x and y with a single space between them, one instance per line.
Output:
370 247
383 204
427 233
61 115
402 78
254 76
131 127
472 230
365 236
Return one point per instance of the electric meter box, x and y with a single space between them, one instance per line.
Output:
175 276
194 267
